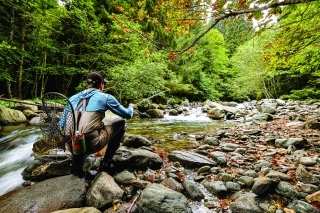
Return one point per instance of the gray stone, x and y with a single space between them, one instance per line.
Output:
190 159
193 190
103 191
262 185
124 177
215 187
11 116
287 190
157 198
302 207
136 141
46 196
246 203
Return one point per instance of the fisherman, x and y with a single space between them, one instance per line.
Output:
90 106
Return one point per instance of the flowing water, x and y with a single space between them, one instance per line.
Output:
169 133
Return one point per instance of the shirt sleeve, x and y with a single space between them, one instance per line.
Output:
116 108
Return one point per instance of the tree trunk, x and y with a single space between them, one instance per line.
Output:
8 83
43 82
20 67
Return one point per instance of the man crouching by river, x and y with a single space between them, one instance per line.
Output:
90 106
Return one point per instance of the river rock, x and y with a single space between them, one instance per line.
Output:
26 106
285 143
155 113
193 190
140 158
157 198
190 159
46 196
11 116
135 141
215 187
304 176
246 203
47 166
302 207
103 191
124 177
262 185
286 189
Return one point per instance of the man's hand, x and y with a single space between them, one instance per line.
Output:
132 105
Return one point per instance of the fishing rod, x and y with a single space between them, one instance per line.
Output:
143 100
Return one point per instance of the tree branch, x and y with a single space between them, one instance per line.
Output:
228 14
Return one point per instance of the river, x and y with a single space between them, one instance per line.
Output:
170 133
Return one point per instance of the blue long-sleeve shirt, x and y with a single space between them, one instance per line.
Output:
99 102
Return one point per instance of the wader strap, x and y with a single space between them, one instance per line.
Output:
82 103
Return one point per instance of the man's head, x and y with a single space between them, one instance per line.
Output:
94 80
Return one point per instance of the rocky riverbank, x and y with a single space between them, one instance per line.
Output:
267 162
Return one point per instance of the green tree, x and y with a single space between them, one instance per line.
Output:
294 55
204 66
251 78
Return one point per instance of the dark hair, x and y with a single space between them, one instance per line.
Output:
95 78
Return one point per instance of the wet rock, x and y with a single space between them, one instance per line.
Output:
65 192
215 187
193 190
47 166
135 141
213 141
139 158
261 118
285 143
246 180
219 157
11 116
232 186
262 185
304 176
308 188
302 207
155 113
275 175
124 177
103 191
173 184
190 159
163 200
308 161
246 203
287 190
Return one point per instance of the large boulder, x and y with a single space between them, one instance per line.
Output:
47 166
103 191
140 158
11 116
47 196
157 198
27 105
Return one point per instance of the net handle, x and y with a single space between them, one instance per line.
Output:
68 102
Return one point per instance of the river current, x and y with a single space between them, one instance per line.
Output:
170 133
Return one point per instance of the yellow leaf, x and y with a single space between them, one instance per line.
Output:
116 206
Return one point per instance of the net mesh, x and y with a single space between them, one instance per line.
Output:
55 132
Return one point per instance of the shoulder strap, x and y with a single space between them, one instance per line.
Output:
82 103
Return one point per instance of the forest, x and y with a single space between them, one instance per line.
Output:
180 49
